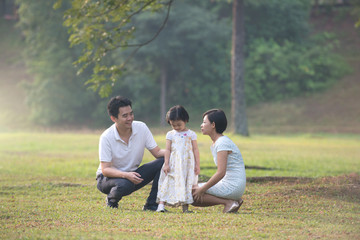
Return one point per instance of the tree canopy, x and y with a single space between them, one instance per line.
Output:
104 26
191 52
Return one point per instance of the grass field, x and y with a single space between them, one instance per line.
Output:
299 187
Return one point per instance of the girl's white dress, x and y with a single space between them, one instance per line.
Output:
175 188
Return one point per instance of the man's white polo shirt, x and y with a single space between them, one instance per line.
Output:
125 157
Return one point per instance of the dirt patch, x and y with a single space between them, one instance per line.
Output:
279 180
339 188
348 179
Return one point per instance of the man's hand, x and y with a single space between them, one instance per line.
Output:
134 177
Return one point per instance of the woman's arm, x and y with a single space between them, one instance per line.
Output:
220 173
196 156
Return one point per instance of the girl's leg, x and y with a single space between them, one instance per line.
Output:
185 208
161 207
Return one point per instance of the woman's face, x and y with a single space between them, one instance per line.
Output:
206 126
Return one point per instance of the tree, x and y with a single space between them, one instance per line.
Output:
99 26
187 58
56 96
356 12
111 32
105 26
238 104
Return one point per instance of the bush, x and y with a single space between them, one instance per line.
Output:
275 71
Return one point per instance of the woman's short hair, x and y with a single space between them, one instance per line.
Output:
218 117
115 103
176 113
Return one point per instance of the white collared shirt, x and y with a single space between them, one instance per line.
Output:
125 157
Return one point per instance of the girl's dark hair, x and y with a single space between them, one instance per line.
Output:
218 117
115 103
177 112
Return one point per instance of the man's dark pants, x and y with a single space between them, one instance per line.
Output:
116 188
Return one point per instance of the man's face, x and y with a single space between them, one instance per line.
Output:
125 117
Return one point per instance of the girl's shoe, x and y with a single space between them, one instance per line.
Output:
162 210
187 211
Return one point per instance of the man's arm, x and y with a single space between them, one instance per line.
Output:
109 171
157 152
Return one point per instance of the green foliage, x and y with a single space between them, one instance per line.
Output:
356 11
56 96
278 20
275 71
193 50
101 27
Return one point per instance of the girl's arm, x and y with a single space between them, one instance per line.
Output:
166 167
220 173
196 156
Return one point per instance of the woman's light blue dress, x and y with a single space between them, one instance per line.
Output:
232 185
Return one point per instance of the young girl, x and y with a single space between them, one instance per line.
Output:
181 166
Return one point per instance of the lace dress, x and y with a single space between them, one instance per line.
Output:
175 188
232 185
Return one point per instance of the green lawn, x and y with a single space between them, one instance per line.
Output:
48 191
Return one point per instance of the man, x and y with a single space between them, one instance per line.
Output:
121 149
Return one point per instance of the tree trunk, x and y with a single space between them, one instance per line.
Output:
163 80
238 104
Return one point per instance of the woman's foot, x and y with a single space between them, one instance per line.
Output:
233 207
240 202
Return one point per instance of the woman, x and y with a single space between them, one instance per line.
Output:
227 185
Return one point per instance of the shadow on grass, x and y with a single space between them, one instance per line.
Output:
204 178
342 188
6 190
246 167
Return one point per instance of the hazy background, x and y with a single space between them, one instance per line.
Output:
302 69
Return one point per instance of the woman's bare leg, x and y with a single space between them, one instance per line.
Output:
211 200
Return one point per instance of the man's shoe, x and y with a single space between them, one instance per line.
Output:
163 210
150 207
111 204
